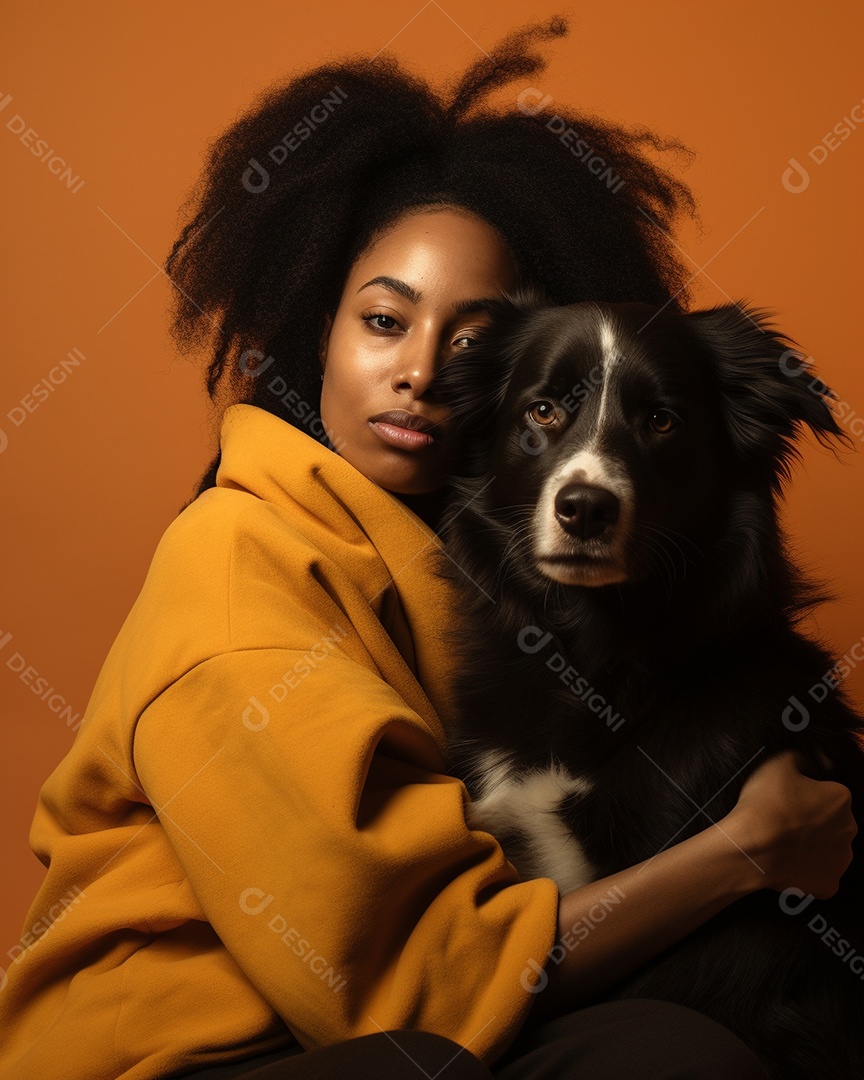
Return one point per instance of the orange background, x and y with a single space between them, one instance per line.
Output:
129 94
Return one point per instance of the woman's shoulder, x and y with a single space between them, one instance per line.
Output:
239 571
214 551
233 531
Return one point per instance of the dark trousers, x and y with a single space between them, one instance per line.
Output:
617 1040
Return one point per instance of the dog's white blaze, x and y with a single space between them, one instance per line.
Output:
528 803
588 466
608 361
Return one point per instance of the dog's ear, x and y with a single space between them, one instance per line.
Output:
769 386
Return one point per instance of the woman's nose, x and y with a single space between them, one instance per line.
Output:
415 370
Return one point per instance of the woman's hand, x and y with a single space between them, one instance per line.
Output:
797 830
785 830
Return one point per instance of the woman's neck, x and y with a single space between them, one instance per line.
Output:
428 507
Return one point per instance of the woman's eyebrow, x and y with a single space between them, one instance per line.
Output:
461 307
395 285
482 303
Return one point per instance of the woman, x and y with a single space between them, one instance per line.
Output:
256 864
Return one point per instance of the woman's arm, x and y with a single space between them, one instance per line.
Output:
785 830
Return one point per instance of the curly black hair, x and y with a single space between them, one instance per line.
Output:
301 184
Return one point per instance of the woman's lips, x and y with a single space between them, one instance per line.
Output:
403 438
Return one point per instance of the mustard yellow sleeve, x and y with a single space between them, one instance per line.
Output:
305 803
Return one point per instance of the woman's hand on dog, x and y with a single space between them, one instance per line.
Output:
795 832
798 831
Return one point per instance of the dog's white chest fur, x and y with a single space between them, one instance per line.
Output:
526 803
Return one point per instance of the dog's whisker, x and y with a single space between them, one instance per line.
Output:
667 530
657 556
515 540
666 544
669 537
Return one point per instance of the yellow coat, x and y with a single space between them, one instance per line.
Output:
251 840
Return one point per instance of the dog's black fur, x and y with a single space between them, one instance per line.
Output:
679 616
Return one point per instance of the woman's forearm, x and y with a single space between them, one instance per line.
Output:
786 830
609 927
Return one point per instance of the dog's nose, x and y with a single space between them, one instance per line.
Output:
585 511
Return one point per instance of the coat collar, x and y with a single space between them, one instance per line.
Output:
355 522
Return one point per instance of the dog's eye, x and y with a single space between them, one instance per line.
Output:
543 413
663 421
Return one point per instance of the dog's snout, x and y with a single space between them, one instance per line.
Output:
586 511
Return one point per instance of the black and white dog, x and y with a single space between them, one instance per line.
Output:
629 652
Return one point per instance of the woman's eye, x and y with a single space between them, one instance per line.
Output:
543 413
662 421
377 321
466 340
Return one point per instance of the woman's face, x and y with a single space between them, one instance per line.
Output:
412 301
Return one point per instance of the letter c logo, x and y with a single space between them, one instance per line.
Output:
248 713
797 367
531 108
794 909
533 442
522 639
249 895
789 714
796 178
264 177
542 978
256 356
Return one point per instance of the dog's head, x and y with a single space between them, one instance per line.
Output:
609 434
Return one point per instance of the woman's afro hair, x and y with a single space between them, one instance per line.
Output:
298 187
